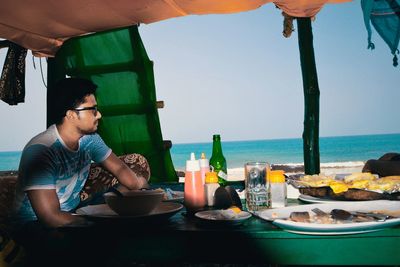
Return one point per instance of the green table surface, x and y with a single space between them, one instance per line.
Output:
187 239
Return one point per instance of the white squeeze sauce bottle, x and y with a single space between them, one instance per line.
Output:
278 189
210 186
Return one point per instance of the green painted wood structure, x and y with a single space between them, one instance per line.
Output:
118 63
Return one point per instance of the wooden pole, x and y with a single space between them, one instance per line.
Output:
311 97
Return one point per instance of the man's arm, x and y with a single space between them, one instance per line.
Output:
46 206
123 173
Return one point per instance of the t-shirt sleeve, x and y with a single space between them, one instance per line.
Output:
98 149
36 168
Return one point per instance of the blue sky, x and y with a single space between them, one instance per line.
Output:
238 76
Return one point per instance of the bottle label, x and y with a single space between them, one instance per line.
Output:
223 175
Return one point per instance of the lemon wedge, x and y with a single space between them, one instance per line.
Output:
235 209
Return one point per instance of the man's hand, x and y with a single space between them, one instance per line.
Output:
124 174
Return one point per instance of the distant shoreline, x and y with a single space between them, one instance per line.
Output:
335 152
330 168
286 138
8 173
237 173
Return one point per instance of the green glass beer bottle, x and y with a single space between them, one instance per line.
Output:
218 161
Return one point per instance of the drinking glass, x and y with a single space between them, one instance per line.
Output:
258 195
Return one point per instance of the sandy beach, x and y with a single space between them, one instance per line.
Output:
237 174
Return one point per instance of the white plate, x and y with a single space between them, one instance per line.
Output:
222 216
278 216
103 211
311 199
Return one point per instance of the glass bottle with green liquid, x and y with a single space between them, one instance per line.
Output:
218 161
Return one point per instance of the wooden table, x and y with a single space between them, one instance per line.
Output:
182 239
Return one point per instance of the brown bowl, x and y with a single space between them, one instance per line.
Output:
134 203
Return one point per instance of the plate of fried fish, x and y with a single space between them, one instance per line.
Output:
335 218
347 187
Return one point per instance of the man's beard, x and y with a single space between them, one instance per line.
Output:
83 132
89 132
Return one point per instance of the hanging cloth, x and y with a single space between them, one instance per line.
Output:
12 81
385 17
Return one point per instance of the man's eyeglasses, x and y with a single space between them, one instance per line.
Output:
94 109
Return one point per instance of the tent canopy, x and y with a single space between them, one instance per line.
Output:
43 26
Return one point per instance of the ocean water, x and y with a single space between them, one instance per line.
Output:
9 160
341 150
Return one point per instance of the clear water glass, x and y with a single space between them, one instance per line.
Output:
258 192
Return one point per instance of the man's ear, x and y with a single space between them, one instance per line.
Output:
70 114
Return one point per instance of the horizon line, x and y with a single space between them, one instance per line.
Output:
253 140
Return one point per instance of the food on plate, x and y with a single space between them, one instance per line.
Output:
355 180
356 186
360 194
235 209
387 184
338 187
300 216
231 213
168 194
391 213
320 192
359 176
316 180
338 216
342 215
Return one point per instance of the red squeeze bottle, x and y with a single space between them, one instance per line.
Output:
194 188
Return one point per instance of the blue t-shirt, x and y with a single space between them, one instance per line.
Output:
47 163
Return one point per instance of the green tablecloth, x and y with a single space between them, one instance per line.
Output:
188 240
183 239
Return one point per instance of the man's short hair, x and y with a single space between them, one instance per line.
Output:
68 94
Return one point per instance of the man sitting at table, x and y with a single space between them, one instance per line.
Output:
55 164
387 165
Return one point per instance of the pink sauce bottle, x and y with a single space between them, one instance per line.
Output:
194 187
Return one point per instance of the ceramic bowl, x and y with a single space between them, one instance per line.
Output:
134 203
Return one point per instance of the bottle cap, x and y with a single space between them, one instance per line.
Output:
192 164
211 177
216 137
276 176
203 161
